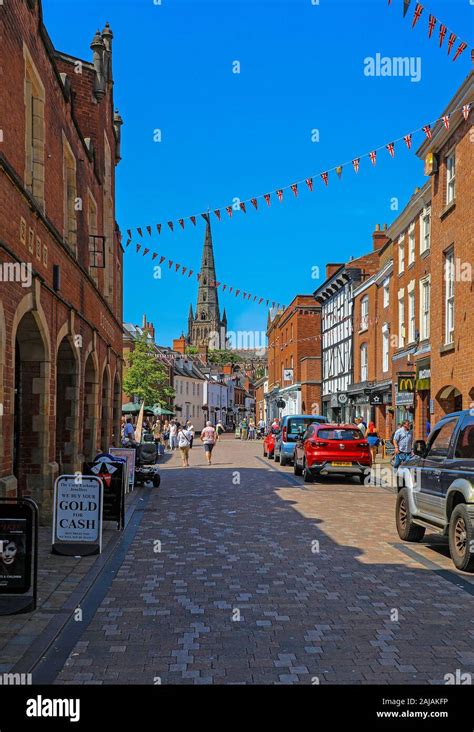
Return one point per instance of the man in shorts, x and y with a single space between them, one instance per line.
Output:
208 437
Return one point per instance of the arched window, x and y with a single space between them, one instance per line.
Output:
203 315
363 362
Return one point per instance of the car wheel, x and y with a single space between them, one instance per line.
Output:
283 460
296 468
407 530
156 480
307 476
461 536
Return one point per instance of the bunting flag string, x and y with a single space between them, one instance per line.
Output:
309 182
443 29
182 269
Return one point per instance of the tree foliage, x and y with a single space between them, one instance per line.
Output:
221 357
146 378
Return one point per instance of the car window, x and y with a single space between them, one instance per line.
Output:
294 425
334 434
441 440
465 444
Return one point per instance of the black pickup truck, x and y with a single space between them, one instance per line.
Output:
436 488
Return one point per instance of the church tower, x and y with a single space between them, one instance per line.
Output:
205 326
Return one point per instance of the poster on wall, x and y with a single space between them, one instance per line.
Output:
77 518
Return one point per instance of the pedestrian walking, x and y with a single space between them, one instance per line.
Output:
251 430
183 438
219 430
244 429
208 437
190 428
173 435
403 441
373 439
358 421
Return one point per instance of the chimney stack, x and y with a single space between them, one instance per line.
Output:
379 237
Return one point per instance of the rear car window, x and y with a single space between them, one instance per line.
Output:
340 434
465 444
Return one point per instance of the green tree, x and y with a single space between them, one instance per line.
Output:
221 357
147 378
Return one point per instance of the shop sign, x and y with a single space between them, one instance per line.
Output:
376 400
18 555
404 399
77 520
406 383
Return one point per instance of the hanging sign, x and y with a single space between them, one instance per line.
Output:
77 518
18 555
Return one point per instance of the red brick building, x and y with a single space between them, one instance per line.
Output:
294 359
449 161
60 256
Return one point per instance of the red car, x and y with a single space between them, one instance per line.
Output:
269 445
328 449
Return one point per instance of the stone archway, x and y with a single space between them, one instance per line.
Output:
67 402
449 399
90 408
105 411
31 409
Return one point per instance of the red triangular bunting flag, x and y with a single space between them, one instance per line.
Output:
224 288
158 226
325 177
442 33
177 266
145 251
129 233
217 284
154 256
431 24
230 289
183 271
244 294
139 246
406 5
148 228
139 231
193 219
267 198
260 301
198 276
170 263
451 41
190 272
217 214
462 47
242 206
205 217
309 183
427 131
445 119
407 139
417 14
162 259
229 210
279 193
355 163
181 223
294 188
373 156
391 148
237 292
128 242
254 203
171 225
465 110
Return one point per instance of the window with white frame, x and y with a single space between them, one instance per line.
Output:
364 313
385 346
363 362
450 177
449 296
386 293
411 316
401 255
425 294
401 319
425 231
411 245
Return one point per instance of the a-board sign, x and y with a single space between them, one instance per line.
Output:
112 471
129 455
18 555
77 518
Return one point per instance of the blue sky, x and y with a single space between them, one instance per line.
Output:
227 135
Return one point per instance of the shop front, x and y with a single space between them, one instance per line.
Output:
423 403
381 408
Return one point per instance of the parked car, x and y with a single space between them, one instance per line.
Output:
291 426
436 488
269 445
329 449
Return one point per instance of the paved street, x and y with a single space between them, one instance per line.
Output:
273 581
